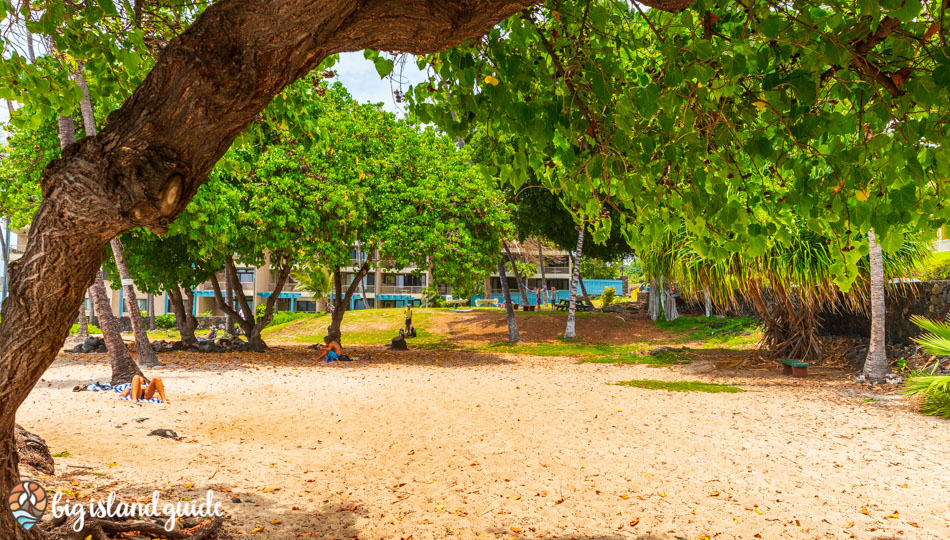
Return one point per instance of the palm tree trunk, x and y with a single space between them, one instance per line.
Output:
123 367
569 330
514 267
876 367
513 335
143 346
544 279
708 302
229 301
150 302
580 280
83 324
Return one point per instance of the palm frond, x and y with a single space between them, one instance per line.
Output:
937 340
935 390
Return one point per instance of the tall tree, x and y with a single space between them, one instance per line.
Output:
876 367
569 331
154 153
513 335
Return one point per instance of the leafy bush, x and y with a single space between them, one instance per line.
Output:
260 309
437 301
938 271
608 296
166 321
93 329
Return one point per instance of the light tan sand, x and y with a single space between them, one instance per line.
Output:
441 444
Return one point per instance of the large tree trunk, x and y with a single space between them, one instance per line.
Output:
514 267
182 304
513 335
123 367
143 346
155 152
876 367
339 308
569 332
580 280
251 325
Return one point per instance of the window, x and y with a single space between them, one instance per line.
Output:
245 275
415 281
389 279
143 304
306 305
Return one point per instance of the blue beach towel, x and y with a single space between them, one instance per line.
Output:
122 387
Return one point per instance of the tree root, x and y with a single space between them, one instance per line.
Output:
103 529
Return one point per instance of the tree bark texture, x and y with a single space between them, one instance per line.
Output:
513 335
182 304
340 306
206 86
876 367
569 329
229 301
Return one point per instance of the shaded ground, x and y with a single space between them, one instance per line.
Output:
445 443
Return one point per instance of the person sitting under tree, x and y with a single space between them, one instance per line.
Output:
331 350
211 335
140 389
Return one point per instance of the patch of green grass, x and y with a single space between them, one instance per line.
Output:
91 328
166 335
61 454
682 386
664 359
714 330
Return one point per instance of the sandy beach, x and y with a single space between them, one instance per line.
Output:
437 444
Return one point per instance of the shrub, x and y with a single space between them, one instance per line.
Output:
608 296
166 321
93 329
934 389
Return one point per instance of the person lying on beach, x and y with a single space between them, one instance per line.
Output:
330 349
143 390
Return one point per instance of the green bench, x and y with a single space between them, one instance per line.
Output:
794 368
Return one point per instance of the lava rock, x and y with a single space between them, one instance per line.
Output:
166 433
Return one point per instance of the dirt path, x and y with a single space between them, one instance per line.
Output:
440 444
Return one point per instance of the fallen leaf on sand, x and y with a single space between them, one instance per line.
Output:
634 522
189 485
714 494
865 511
276 521
257 530
515 530
895 515
624 496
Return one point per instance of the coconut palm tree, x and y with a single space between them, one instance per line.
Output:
315 281
935 389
